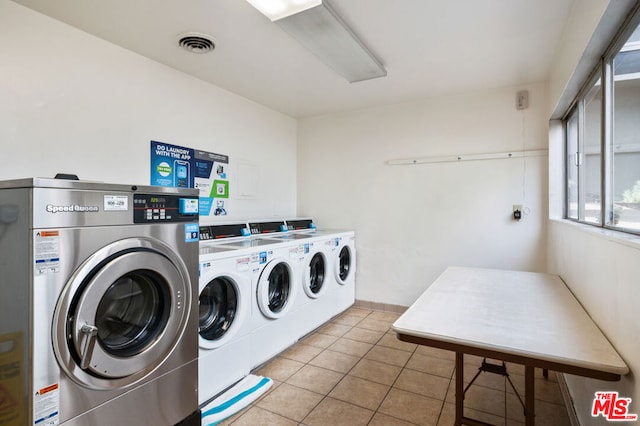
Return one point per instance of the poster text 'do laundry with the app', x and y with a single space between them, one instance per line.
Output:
182 167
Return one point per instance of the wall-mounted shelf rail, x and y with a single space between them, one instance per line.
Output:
467 157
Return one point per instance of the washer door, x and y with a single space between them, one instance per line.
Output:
275 290
121 313
343 265
315 271
221 309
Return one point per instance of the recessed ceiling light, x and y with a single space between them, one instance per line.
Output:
196 42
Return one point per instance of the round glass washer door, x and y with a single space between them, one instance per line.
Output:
315 270
222 309
121 313
276 288
343 265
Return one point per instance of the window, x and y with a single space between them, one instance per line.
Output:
602 132
591 204
626 135
572 165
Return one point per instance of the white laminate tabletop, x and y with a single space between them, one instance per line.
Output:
519 313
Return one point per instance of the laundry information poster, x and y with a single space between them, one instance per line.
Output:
171 165
212 180
182 167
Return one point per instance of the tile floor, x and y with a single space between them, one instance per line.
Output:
354 371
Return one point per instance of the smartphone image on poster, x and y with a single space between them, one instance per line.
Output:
181 174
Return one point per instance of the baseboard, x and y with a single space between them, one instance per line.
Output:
377 306
568 401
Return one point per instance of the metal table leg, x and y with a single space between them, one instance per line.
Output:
529 396
459 388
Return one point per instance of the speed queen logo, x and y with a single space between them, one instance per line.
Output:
613 408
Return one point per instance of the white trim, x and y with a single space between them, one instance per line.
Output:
568 401
632 148
620 237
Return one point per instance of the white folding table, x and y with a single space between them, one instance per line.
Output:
525 318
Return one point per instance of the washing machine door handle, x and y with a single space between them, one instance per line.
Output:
91 331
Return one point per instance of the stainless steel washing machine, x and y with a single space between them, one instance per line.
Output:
99 286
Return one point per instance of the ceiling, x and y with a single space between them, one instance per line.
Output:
429 47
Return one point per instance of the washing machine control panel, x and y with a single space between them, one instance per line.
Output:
153 208
258 228
217 232
300 224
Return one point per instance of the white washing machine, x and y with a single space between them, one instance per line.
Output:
342 260
275 286
224 310
316 298
316 271
344 269
98 295
300 252
297 246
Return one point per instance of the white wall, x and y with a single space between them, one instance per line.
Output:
412 222
602 272
72 103
578 31
601 268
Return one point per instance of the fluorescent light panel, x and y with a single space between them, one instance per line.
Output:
278 9
316 26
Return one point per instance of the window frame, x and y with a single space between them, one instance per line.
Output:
604 71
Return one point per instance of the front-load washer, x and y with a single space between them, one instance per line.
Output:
342 259
344 268
317 283
224 310
224 320
316 264
312 264
99 290
274 290
287 245
315 300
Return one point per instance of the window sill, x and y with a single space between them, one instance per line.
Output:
629 240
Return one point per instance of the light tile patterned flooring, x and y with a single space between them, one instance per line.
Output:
354 371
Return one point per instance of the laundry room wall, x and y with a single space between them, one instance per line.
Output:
412 221
73 103
600 267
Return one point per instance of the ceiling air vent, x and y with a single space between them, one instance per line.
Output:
196 42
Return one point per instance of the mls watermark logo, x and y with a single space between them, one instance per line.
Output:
612 407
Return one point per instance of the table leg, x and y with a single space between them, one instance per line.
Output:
529 396
459 388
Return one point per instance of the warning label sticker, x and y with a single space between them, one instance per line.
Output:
46 247
46 406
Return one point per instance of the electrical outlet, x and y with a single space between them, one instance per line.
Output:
517 211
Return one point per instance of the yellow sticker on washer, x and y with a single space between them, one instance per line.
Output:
12 403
